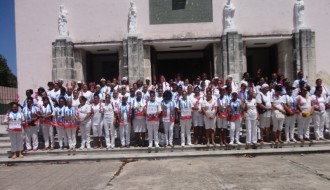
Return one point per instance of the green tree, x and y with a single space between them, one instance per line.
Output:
7 78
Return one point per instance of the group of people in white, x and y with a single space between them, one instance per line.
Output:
209 107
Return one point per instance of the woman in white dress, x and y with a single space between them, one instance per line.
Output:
209 109
84 115
109 121
251 116
15 119
278 115
197 116
320 114
304 105
139 120
97 121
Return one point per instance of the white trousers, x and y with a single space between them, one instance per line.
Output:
85 131
48 134
125 132
265 122
277 123
31 133
16 141
235 127
303 126
71 134
110 131
168 126
319 119
97 130
251 131
185 131
290 122
153 127
61 136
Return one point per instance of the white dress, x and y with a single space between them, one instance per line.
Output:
210 110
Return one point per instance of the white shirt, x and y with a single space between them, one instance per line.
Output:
108 111
278 102
83 111
260 98
319 102
97 111
251 113
209 107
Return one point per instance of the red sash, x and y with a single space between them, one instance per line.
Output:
235 117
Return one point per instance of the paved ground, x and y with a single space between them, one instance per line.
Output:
261 172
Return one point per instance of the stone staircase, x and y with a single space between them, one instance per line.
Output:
63 156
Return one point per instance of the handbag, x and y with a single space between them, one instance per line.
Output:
279 115
161 128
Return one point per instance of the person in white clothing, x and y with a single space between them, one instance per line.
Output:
235 118
139 121
153 110
125 115
184 107
15 119
325 91
168 111
86 93
58 114
31 130
320 115
304 105
290 106
70 127
222 122
251 116
97 121
209 109
109 121
84 115
265 111
197 116
75 99
45 115
278 115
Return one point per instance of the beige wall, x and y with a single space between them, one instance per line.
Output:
106 20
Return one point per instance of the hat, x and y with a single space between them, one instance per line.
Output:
79 82
224 87
103 79
216 78
244 82
264 86
98 85
147 78
124 78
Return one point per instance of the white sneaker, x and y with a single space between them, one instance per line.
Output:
287 141
189 144
231 143
237 142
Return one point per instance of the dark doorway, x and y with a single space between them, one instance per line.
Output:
264 59
189 64
102 66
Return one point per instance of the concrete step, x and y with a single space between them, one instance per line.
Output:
4 139
160 155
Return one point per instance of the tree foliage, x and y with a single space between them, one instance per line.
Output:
7 78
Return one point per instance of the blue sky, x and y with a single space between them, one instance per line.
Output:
7 33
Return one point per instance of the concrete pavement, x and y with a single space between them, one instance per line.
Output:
236 172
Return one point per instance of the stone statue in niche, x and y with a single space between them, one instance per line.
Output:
132 22
228 15
63 22
300 14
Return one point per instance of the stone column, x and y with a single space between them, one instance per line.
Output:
147 62
232 53
63 60
135 58
304 53
80 65
123 62
217 59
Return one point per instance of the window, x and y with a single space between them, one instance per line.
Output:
178 4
